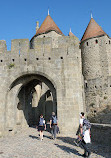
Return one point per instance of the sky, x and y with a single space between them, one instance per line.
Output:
18 17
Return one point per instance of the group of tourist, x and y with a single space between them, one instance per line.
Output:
53 126
83 131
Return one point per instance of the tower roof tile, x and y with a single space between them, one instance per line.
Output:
48 25
92 30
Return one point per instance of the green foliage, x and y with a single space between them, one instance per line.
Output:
11 65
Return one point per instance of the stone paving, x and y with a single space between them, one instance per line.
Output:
26 144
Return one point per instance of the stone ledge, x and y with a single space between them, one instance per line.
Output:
101 134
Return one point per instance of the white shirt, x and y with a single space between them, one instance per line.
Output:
81 121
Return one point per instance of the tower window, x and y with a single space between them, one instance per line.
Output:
96 41
37 58
87 43
25 59
86 85
13 60
109 42
61 57
1 61
49 58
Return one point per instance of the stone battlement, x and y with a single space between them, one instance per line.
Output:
47 74
21 53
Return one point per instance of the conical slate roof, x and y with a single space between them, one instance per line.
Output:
92 30
48 25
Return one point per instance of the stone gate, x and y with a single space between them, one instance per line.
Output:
41 76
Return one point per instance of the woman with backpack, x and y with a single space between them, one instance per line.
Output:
41 126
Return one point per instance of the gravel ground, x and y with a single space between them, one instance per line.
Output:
26 144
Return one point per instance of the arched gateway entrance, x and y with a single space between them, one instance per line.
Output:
28 97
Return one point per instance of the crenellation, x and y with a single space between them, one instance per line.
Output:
18 45
3 46
72 76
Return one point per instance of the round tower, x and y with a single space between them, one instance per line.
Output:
90 46
95 68
47 29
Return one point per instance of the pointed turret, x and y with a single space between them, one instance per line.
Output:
47 26
70 33
92 30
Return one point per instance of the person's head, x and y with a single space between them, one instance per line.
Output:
53 113
41 115
82 114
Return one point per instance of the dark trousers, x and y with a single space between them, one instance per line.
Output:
86 147
54 131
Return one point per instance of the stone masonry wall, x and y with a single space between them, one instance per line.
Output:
96 70
61 67
98 100
54 36
101 134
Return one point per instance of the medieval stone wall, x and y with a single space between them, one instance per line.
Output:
100 134
98 100
59 68
96 61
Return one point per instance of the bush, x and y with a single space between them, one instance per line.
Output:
11 65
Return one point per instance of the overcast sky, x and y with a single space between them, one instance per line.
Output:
18 17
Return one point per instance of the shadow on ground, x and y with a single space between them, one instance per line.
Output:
33 137
68 149
98 149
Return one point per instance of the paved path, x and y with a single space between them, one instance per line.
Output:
28 145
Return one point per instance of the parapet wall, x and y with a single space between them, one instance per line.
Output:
101 134
20 50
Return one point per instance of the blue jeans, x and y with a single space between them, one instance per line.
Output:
54 131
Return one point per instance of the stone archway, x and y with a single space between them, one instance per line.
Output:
28 97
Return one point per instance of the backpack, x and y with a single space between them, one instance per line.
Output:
86 124
41 122
54 120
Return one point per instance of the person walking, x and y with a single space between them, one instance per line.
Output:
78 133
53 125
85 133
41 126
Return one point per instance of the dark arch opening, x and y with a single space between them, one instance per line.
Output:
36 96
